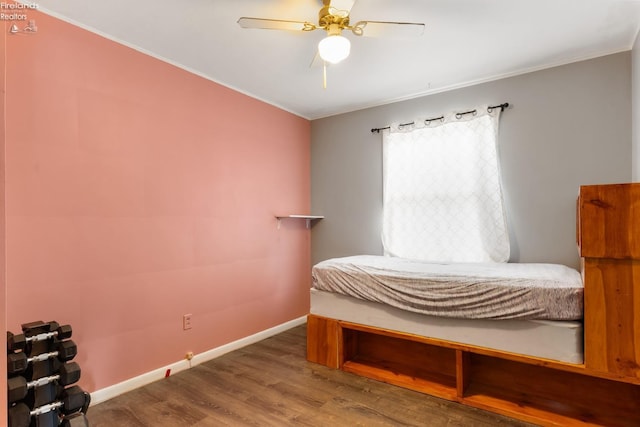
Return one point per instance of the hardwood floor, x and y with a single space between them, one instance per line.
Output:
270 383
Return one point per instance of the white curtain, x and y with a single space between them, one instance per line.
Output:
442 194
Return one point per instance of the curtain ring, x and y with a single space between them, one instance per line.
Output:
472 112
427 122
402 125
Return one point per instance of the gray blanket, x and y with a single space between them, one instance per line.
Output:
466 290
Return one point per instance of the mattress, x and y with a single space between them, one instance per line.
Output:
554 340
459 290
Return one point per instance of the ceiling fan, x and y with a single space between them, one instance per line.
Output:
335 47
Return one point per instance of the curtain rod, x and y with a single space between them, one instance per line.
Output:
458 116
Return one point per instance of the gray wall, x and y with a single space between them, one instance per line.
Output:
567 126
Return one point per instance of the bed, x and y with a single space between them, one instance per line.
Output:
532 309
560 347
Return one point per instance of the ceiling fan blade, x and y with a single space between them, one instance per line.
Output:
275 24
397 30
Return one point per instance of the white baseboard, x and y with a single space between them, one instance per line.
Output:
110 392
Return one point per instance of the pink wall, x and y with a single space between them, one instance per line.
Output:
3 288
137 192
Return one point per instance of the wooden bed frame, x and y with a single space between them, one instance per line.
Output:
604 390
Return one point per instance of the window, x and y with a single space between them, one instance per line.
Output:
442 196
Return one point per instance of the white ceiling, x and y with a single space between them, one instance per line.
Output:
465 42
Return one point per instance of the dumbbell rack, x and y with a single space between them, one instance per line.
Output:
40 378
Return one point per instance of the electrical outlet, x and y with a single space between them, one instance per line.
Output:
186 321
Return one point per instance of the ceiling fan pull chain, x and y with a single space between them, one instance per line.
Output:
324 74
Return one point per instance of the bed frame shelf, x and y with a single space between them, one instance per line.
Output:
543 412
406 363
513 385
431 383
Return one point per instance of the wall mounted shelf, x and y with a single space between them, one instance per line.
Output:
307 218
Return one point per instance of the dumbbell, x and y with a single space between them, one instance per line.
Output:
73 400
18 362
44 416
76 420
37 332
37 327
13 342
18 387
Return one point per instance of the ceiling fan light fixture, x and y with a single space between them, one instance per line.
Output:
334 48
